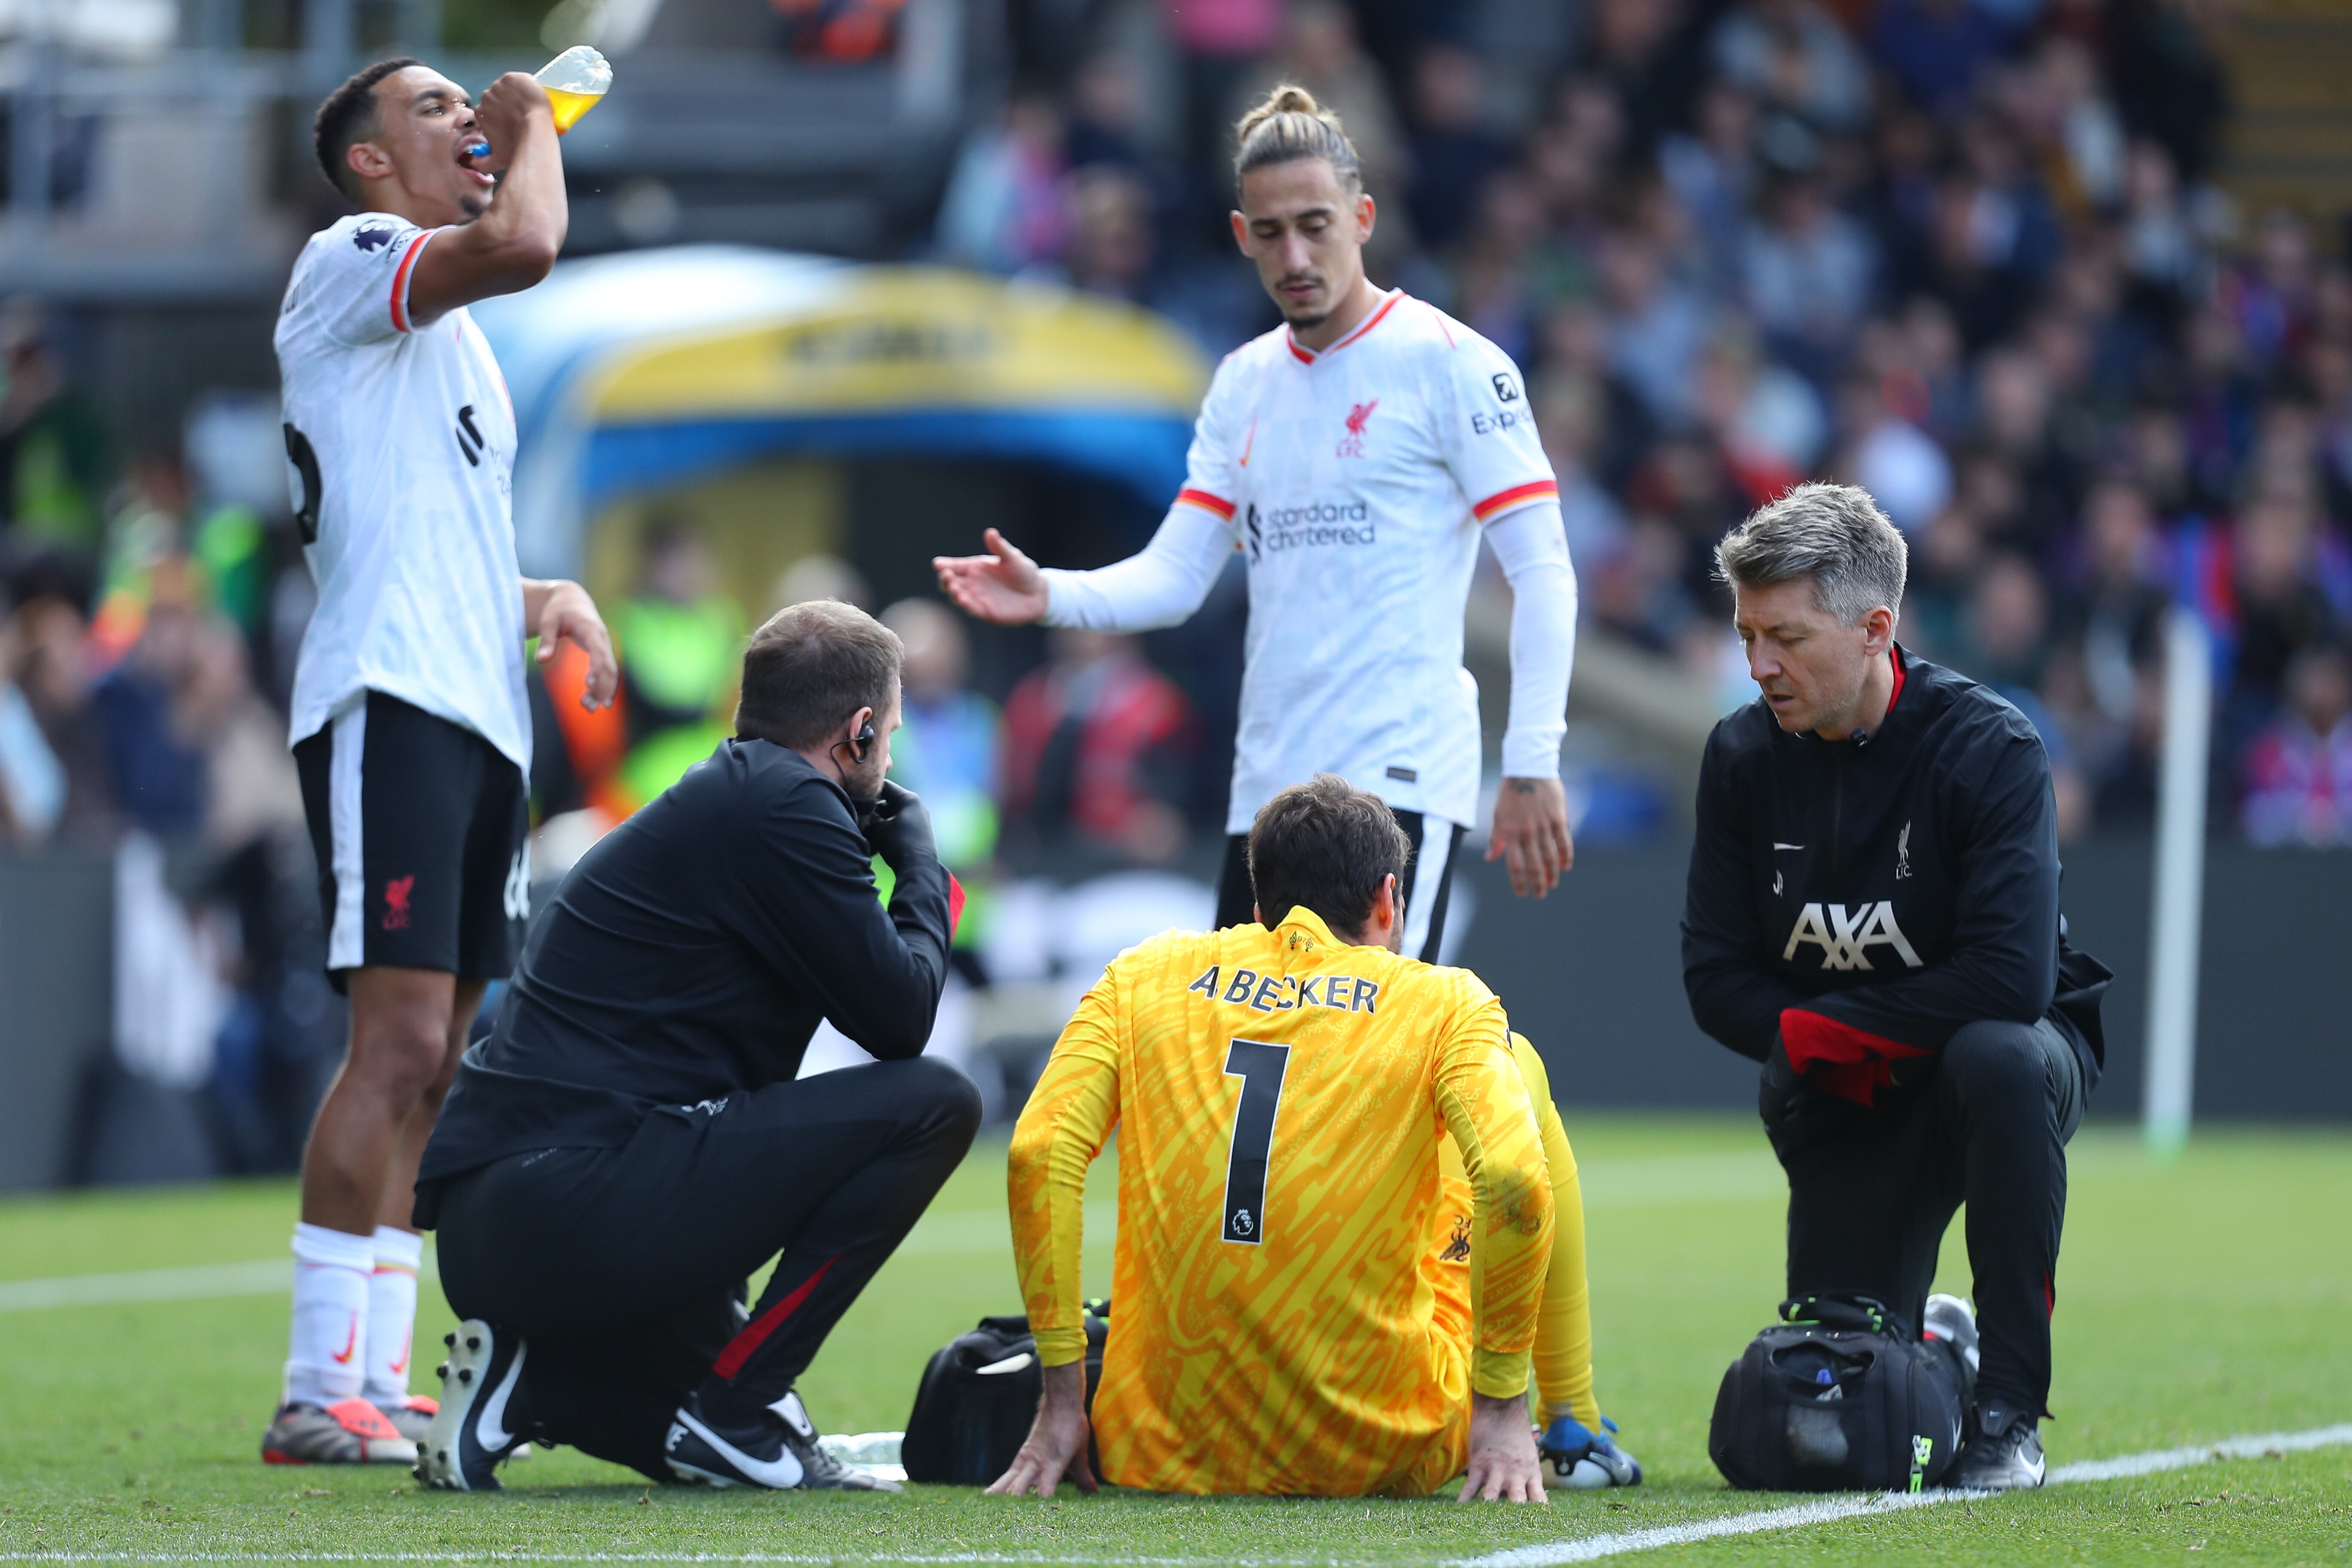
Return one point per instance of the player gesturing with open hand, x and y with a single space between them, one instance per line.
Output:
1004 586
1356 458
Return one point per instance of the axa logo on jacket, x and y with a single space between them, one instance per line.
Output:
1843 931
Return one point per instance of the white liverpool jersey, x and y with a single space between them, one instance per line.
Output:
400 441
1355 482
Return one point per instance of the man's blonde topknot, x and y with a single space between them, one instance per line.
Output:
1288 126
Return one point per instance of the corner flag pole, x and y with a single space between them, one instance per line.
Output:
2178 918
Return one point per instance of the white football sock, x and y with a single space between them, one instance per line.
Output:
391 1314
332 1273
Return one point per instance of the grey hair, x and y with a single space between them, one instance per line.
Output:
1834 535
1288 126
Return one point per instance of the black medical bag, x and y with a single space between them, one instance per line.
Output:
1839 1396
978 1397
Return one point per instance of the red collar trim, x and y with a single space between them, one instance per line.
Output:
1309 356
1894 654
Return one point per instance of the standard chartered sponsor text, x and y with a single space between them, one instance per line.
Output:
1311 523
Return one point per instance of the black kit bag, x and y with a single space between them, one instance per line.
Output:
1838 1397
977 1397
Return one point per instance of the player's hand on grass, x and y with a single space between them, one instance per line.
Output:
560 609
1056 1448
510 103
1504 1466
1531 831
1003 585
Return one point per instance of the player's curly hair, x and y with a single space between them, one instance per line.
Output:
1327 846
1288 126
350 116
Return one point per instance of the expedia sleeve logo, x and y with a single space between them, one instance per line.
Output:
1312 525
1505 389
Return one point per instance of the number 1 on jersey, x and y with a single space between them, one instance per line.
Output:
1260 1067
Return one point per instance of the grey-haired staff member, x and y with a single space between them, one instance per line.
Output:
1873 915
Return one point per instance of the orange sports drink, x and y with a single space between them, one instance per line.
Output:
575 81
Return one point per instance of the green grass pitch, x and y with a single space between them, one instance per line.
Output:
2200 1299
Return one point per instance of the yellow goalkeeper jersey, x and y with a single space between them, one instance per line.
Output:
1301 1300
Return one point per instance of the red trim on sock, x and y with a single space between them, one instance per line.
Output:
755 1333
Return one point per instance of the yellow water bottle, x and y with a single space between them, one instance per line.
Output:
575 81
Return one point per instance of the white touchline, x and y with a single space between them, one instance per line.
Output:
205 1281
1586 1549
1591 1548
949 1233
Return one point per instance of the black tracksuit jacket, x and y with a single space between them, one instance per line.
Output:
691 954
1891 890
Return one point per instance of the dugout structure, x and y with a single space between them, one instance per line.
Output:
776 397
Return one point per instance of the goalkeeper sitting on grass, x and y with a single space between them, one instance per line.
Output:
1348 1213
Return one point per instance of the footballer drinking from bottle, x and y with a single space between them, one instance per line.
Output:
410 726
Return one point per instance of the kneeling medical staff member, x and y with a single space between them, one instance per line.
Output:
631 1145
1873 914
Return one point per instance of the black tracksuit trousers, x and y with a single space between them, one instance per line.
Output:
1871 1192
623 1269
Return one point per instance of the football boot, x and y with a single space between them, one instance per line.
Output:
476 1426
778 1453
348 1432
1578 1459
2003 1453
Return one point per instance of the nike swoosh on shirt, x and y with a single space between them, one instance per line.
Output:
1788 847
490 1426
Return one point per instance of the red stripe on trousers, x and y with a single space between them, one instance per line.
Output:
755 1333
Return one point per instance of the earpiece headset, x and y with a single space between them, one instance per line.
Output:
861 744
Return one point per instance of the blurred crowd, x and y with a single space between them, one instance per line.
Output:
150 605
1093 762
1967 253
